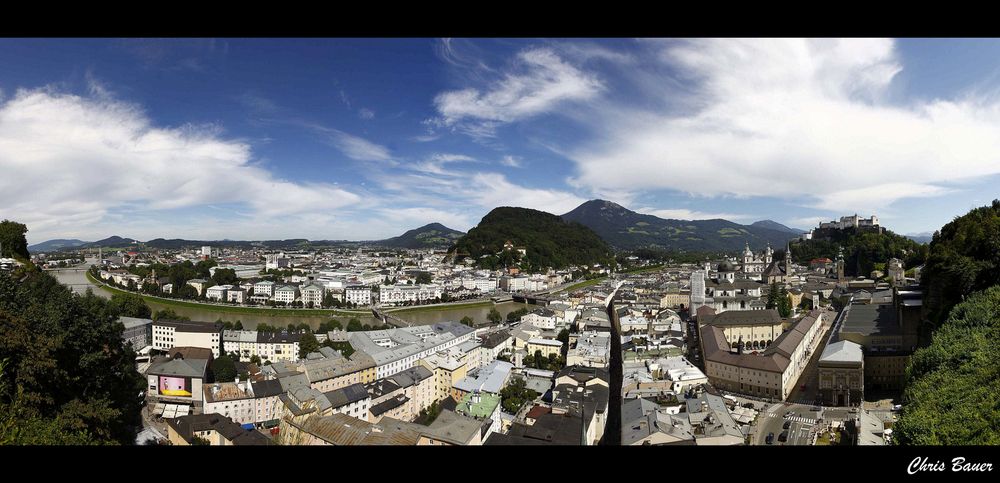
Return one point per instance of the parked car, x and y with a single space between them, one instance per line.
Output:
783 437
786 425
815 408
769 439
897 407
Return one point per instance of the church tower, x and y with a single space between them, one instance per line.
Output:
840 264
768 254
747 256
788 260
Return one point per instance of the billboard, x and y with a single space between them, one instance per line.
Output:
175 386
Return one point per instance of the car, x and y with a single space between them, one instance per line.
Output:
786 425
897 407
769 439
783 437
815 408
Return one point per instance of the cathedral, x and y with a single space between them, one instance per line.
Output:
756 263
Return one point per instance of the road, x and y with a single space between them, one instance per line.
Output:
801 419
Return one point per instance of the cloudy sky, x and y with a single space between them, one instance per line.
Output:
364 139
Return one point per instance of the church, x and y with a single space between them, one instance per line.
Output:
756 263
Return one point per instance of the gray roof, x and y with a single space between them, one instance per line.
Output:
266 388
453 428
132 322
178 367
744 317
844 351
347 395
870 319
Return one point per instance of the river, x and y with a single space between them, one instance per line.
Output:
77 280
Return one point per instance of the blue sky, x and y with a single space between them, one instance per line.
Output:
366 138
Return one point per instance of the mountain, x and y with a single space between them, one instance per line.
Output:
924 237
773 225
111 242
548 241
627 230
430 235
56 245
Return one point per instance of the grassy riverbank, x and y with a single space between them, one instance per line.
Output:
428 308
237 310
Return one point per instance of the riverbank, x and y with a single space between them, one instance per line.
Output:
279 312
273 312
439 307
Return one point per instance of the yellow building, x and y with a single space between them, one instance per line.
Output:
447 371
546 346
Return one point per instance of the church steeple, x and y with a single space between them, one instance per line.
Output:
788 259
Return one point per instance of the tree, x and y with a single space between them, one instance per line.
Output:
517 314
468 321
307 344
964 257
515 395
224 369
255 359
495 317
225 276
784 303
424 278
238 325
13 242
168 314
564 338
345 348
951 385
130 305
354 325
68 374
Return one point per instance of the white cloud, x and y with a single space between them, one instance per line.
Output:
541 82
686 214
67 161
435 164
789 118
352 146
511 161
366 114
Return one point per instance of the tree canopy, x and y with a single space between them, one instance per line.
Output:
952 396
964 258
68 371
549 241
862 249
130 305
13 243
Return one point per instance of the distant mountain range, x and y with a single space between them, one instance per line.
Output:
56 245
925 237
625 229
434 235
428 236
773 225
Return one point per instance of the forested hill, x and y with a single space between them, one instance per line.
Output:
862 250
952 396
549 241
625 229
427 236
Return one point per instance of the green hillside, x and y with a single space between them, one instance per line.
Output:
549 241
